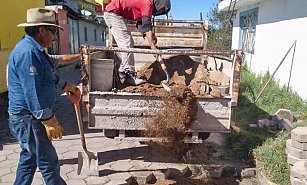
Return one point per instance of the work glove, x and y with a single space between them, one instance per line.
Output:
53 128
72 91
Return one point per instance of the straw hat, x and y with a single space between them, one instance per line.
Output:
40 17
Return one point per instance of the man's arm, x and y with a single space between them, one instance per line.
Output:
61 84
145 26
152 39
66 59
69 58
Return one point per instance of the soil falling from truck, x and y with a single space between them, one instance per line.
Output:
173 121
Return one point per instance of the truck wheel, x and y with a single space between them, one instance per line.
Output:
204 135
109 133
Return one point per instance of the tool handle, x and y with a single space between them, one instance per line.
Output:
80 125
163 66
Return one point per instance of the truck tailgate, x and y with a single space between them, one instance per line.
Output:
127 111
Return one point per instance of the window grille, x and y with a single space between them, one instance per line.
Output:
249 32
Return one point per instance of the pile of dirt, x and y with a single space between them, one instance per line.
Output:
173 121
184 72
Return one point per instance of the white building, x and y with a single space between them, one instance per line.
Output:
92 33
265 30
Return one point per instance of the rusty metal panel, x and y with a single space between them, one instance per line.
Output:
172 33
172 36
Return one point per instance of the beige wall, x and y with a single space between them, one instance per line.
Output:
12 12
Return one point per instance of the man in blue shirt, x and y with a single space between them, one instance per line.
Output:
32 84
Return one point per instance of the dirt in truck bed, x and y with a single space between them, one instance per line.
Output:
184 72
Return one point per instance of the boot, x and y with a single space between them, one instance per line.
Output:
130 78
122 75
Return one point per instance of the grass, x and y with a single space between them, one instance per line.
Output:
266 148
272 160
274 96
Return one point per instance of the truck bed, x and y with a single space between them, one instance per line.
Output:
122 112
118 113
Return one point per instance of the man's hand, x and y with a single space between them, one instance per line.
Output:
72 91
53 128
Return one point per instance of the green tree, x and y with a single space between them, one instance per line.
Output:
220 29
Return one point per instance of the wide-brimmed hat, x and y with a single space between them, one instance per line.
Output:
40 17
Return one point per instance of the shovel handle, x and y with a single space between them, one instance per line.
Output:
80 125
163 66
75 99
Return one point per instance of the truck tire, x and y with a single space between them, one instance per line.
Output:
204 135
109 133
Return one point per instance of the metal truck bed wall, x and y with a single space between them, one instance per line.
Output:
130 111
124 111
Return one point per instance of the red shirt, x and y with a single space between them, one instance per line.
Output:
131 9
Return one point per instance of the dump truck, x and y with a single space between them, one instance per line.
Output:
121 113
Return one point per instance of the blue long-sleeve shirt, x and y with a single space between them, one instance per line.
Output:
32 81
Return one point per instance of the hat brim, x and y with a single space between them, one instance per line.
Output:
38 24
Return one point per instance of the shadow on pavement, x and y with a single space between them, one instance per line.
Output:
5 134
63 109
153 155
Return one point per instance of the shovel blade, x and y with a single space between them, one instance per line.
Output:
87 164
166 87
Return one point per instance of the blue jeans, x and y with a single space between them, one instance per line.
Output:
36 151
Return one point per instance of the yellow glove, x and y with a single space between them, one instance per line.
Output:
53 128
72 91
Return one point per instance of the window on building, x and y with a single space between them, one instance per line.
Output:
95 34
248 22
103 36
85 34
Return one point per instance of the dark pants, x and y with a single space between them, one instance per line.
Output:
36 151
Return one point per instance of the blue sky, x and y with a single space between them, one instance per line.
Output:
190 9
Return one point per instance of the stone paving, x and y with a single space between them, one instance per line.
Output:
120 162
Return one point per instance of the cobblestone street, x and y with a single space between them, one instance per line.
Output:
120 162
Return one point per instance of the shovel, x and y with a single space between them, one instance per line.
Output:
165 83
87 161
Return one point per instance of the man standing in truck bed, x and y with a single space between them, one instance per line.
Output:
116 16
